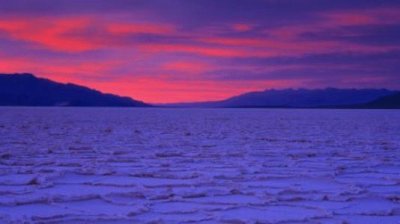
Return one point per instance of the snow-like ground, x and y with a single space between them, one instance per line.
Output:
97 165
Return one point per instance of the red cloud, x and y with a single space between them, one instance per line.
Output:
58 33
187 67
129 28
192 49
241 27
337 19
49 34
362 17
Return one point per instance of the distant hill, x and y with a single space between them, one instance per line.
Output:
28 90
298 98
386 102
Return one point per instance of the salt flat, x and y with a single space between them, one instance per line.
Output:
99 165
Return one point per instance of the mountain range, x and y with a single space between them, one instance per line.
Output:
29 90
387 102
303 98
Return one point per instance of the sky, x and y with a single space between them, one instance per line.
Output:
163 51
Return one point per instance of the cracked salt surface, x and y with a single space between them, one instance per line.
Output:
98 165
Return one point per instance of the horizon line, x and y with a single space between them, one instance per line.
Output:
157 103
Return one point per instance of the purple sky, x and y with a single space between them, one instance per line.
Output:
193 50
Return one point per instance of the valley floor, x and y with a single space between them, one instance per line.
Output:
98 165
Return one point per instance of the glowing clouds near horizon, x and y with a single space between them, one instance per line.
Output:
161 52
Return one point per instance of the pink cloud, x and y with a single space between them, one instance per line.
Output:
130 28
337 19
49 33
188 66
241 27
56 33
192 49
377 16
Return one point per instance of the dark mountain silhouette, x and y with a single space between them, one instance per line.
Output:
298 98
386 102
28 90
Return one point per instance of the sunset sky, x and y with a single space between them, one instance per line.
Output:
163 51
